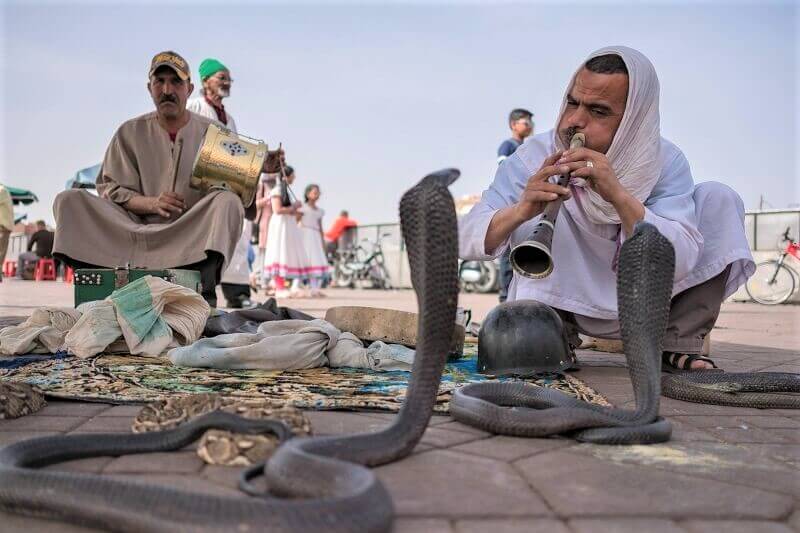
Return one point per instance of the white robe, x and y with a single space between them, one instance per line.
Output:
201 107
705 224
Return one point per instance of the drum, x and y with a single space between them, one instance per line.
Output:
229 161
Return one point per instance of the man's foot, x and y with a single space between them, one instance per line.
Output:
682 362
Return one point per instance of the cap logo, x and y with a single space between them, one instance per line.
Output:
170 58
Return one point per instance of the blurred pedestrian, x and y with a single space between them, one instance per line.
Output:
313 239
285 256
6 223
520 122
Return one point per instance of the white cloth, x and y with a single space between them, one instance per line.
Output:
291 345
633 153
199 106
705 224
312 240
238 271
285 255
42 332
95 331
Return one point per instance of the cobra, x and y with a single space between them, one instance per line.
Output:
327 478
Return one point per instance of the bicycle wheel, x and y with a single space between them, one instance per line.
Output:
771 284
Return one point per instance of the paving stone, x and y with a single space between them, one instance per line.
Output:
390 417
443 483
339 423
10 437
122 410
421 525
576 485
156 463
721 421
731 526
794 521
42 423
511 448
686 432
443 438
227 476
93 465
105 424
624 525
511 525
791 435
83 409
458 426
12 523
767 467
749 434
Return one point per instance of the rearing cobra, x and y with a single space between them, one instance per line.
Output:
327 478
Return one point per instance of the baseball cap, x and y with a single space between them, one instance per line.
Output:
172 60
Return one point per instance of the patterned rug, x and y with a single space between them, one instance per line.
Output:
129 379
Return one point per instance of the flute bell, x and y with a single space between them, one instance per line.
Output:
522 338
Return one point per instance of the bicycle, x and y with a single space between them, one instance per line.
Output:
774 282
354 264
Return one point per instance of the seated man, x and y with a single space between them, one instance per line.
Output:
626 173
41 242
147 216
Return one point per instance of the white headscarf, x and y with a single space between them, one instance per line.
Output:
634 151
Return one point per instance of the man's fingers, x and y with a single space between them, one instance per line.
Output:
578 154
162 212
545 173
551 187
552 159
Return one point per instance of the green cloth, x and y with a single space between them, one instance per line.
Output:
209 67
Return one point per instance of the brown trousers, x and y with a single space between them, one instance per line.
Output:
4 238
692 314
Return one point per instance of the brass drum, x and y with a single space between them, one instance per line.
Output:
229 161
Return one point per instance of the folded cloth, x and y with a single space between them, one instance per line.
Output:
94 331
155 314
248 320
291 345
42 332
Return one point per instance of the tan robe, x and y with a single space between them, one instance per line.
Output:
140 160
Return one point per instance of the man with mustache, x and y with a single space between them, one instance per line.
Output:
146 215
626 173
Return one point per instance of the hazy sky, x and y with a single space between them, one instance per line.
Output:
369 97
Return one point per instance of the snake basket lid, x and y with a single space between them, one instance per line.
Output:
523 338
229 161
387 325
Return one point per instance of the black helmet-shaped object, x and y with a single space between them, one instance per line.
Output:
522 338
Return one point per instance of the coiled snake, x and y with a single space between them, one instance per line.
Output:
644 284
327 478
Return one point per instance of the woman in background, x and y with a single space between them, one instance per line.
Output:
263 215
285 256
313 239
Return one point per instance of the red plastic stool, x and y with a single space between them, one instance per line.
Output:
69 274
45 270
9 268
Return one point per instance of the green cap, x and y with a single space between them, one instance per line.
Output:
209 67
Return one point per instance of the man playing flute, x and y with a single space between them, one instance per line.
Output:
625 173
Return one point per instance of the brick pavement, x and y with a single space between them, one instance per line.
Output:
726 469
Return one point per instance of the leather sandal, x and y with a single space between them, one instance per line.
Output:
676 362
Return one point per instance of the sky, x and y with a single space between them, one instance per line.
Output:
368 97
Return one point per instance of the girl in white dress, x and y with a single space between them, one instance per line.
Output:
313 239
285 256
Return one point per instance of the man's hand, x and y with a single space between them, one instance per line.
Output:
599 175
168 203
539 191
